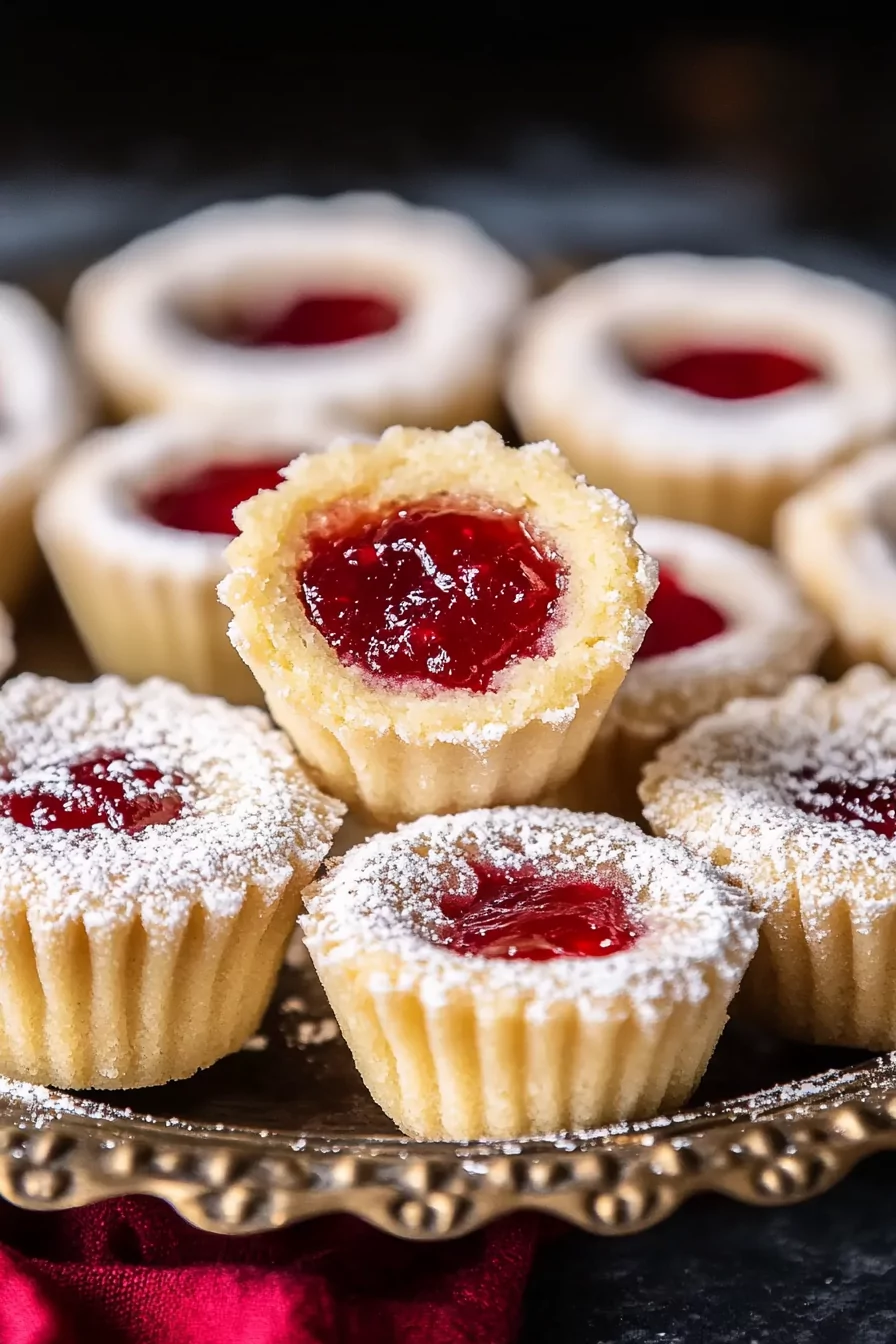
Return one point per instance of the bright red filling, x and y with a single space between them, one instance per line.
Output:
315 319
526 916
205 501
104 788
679 618
433 592
870 804
731 373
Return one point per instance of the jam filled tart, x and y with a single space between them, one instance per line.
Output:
725 621
42 409
135 525
153 849
794 800
436 619
838 540
361 303
524 970
706 389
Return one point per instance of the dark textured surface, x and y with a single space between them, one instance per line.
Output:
720 1273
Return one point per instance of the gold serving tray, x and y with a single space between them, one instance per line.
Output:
284 1129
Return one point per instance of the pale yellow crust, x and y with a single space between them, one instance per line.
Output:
836 538
399 754
824 968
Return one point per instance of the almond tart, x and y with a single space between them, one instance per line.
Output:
134 527
153 849
523 971
793 798
42 409
725 621
361 303
436 619
838 540
705 388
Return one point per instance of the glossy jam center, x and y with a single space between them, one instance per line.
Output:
679 618
526 916
434 593
326 318
205 500
730 373
104 788
869 804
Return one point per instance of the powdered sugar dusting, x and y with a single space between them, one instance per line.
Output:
384 896
735 786
249 814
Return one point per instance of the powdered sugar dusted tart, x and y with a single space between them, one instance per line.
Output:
518 971
837 539
437 620
360 303
135 525
725 621
41 410
707 389
794 799
154 846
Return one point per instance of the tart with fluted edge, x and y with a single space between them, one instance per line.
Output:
726 621
520 971
794 800
437 620
42 409
706 388
134 527
361 302
154 846
838 540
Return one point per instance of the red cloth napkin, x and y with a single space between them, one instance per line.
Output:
130 1271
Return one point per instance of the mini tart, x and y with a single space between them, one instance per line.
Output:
706 389
41 411
400 748
135 525
838 540
361 303
154 847
794 799
463 1044
725 621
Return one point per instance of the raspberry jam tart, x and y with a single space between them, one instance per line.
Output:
360 305
154 847
703 388
42 409
437 619
725 621
794 799
521 971
134 527
836 538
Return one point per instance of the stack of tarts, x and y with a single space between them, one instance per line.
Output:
474 649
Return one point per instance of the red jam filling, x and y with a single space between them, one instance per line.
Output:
730 373
869 804
104 788
434 592
205 501
315 319
524 915
680 619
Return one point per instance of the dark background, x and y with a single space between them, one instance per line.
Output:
569 143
